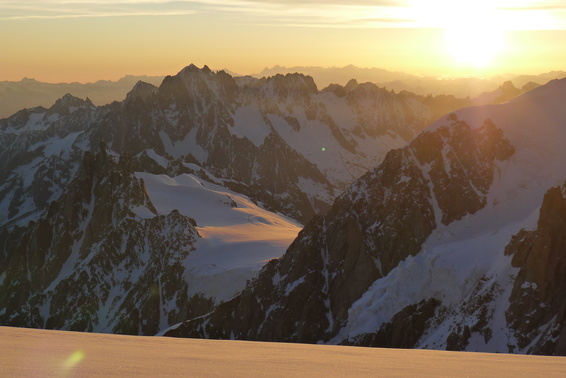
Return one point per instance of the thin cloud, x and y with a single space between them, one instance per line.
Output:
57 9
334 14
372 3
367 3
377 20
286 13
535 8
328 9
99 15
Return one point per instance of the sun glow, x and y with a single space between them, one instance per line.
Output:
474 35
474 30
478 47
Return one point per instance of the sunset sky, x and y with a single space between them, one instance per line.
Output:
71 40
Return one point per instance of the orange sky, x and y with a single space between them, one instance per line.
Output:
58 40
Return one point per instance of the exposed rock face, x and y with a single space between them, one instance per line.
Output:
89 261
537 312
91 264
461 160
195 110
65 105
278 139
41 152
405 328
381 220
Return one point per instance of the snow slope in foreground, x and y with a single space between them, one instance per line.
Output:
29 353
237 236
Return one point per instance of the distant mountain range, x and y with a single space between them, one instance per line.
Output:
429 222
462 87
29 93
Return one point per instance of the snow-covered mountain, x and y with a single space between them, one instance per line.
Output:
125 253
278 140
455 241
137 215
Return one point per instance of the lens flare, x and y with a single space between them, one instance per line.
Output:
74 359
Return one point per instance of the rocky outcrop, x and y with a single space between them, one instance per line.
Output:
537 312
461 161
67 104
90 263
404 330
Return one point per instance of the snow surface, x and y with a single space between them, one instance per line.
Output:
237 236
36 122
28 352
180 148
316 142
163 162
249 123
458 256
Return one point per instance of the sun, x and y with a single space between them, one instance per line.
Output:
475 46
474 33
474 30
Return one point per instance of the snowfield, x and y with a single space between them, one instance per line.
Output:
237 236
27 352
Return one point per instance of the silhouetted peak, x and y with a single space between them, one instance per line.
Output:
70 100
337 89
341 91
352 84
506 92
529 86
141 90
198 85
27 80
508 86
68 103
191 69
292 83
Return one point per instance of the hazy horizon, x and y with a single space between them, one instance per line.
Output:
56 41
127 76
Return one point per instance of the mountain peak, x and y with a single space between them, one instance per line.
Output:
508 85
352 84
69 103
193 69
292 83
553 90
200 83
141 90
70 100
28 80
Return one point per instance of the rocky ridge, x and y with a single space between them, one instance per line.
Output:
296 147
117 272
447 244
382 219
